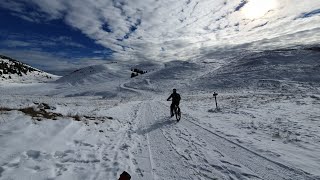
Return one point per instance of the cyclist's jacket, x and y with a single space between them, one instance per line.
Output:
175 98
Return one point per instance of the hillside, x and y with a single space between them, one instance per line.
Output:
97 122
94 75
284 70
13 71
280 70
106 80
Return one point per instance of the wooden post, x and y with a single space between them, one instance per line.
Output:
215 98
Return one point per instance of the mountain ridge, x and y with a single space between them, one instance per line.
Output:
14 71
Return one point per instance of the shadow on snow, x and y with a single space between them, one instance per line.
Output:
155 126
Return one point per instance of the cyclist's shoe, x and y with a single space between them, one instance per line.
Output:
172 115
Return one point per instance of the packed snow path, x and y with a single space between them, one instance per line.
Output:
186 150
141 139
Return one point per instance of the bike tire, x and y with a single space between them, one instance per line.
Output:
178 114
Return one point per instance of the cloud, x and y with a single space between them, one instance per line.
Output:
51 61
15 43
169 29
34 41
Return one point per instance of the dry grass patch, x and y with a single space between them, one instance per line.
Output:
4 109
40 112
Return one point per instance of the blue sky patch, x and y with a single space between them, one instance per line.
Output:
53 37
310 14
241 5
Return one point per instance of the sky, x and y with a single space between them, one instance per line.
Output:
60 34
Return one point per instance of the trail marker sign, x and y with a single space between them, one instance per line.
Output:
215 98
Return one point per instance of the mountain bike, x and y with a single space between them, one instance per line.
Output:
176 111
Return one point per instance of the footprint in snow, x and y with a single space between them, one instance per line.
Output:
59 169
33 154
81 143
60 154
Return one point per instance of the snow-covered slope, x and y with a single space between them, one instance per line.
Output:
174 74
106 80
94 75
13 71
288 70
277 69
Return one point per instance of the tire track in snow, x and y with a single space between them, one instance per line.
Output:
164 162
265 168
142 152
121 142
201 156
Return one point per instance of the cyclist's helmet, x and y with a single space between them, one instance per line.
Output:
174 90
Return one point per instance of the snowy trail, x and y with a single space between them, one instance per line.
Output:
187 150
140 139
124 86
171 151
155 150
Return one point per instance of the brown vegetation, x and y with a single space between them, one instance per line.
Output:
40 112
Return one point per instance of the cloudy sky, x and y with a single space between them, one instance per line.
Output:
59 34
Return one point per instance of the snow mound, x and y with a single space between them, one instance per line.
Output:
13 71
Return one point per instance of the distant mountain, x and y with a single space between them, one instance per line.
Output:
13 71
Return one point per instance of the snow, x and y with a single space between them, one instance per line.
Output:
267 125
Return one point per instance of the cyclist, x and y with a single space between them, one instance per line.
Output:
175 100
